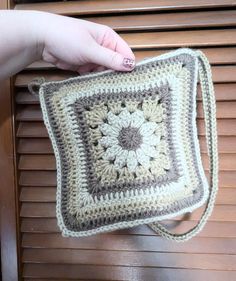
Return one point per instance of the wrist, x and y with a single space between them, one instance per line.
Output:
38 25
22 40
23 32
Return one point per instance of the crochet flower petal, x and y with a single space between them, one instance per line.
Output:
111 152
121 159
148 128
149 150
151 140
124 118
142 158
112 119
108 141
132 162
109 130
137 119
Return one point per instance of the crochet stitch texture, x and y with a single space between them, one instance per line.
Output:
126 145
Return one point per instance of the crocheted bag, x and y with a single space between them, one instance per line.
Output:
127 148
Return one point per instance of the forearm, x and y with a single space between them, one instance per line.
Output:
20 41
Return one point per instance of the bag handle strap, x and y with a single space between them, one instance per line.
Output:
34 85
209 107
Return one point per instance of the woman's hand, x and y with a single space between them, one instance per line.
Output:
83 46
68 43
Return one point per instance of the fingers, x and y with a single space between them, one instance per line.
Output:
90 67
86 68
111 59
66 66
99 68
122 47
105 58
104 49
83 69
112 52
109 38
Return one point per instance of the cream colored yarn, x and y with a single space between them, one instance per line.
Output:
126 145
209 106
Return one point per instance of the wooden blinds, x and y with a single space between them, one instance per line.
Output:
150 27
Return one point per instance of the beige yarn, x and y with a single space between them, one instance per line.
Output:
105 181
209 107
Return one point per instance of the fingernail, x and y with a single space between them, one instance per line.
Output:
128 63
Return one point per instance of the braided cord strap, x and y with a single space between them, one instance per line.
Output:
209 107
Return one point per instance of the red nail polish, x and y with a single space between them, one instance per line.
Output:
128 63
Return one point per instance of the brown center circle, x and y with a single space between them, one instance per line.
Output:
130 138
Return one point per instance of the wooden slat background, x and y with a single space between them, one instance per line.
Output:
150 27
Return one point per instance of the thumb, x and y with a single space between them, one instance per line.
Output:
111 59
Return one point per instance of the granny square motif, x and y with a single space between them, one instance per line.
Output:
126 144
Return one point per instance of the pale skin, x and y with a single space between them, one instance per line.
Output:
67 43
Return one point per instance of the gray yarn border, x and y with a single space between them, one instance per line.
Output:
74 225
171 175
